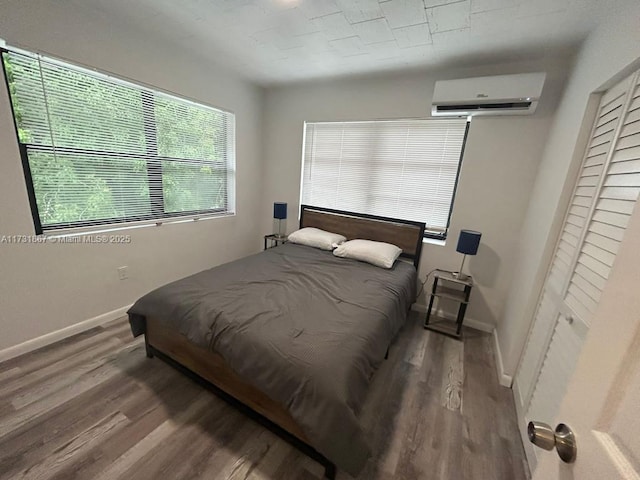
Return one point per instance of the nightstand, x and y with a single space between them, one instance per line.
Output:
447 285
273 240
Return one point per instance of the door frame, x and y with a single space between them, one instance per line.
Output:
561 214
609 360
522 399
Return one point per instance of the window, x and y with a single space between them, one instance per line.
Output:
398 168
98 150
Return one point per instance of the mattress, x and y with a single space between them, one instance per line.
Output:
305 327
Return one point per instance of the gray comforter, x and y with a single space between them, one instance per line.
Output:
305 327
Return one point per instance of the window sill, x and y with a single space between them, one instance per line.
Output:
115 227
433 241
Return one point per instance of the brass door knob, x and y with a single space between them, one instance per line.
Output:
563 438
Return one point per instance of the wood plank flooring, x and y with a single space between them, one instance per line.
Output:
94 407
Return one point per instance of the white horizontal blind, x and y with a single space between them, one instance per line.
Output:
101 150
397 168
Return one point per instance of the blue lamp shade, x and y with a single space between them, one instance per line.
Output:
280 210
468 242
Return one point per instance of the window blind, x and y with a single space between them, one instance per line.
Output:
102 150
398 168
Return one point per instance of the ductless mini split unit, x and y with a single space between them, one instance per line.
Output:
495 95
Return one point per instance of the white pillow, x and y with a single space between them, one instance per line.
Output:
314 237
376 253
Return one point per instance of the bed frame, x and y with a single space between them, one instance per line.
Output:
210 369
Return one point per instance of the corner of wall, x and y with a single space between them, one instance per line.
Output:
504 379
592 71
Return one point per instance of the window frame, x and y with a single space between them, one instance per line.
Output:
155 179
430 235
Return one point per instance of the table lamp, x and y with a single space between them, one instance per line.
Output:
468 243
280 212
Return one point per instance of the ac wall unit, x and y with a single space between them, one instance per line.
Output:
495 95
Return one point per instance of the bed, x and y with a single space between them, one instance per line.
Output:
292 334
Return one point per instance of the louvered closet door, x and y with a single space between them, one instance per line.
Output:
605 193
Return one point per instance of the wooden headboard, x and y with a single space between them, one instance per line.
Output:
406 234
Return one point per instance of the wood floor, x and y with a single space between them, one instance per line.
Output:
94 407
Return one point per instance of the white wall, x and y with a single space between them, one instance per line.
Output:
500 163
605 57
47 287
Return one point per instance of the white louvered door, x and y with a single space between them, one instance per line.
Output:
605 193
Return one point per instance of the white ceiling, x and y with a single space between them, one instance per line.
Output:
277 41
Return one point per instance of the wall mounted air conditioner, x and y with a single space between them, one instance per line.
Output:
495 95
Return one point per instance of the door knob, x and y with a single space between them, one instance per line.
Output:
541 435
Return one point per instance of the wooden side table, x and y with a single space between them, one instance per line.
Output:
447 285
273 240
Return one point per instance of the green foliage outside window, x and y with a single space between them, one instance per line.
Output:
90 142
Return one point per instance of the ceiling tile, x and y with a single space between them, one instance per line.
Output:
314 8
293 22
492 22
315 42
403 13
413 36
489 5
384 50
348 47
449 17
269 53
360 10
439 3
265 36
276 41
548 25
277 38
334 26
415 53
540 7
247 17
390 46
373 31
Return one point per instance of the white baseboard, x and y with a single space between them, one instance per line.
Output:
469 322
504 379
52 337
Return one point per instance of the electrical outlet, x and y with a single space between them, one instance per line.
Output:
123 272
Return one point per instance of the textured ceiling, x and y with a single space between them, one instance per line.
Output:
278 41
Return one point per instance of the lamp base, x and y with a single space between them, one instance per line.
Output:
460 276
